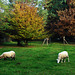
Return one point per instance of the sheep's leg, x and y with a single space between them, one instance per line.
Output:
68 59
5 58
65 60
61 60
11 58
14 58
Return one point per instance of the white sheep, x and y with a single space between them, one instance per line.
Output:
10 54
62 55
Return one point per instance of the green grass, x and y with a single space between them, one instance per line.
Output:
37 60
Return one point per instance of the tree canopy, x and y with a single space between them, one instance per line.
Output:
66 23
32 19
25 23
3 24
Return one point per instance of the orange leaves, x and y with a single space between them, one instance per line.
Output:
66 24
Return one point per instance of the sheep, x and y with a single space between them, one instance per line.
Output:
10 54
61 56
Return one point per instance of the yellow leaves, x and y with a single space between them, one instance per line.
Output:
10 36
27 22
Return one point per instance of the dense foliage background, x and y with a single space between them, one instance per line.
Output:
24 20
27 23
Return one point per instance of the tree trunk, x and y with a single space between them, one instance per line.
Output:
64 40
47 39
26 42
19 43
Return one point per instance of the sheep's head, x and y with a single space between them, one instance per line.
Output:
58 60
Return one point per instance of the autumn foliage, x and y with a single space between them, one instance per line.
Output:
66 23
25 22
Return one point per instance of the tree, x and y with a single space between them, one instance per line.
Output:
52 6
3 24
52 16
66 25
42 11
25 23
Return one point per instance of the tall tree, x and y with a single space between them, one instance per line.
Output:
53 6
66 24
25 23
3 24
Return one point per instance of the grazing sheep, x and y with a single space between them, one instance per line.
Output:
10 54
62 55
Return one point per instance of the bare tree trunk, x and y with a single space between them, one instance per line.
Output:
64 40
46 39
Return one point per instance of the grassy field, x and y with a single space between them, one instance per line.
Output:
37 60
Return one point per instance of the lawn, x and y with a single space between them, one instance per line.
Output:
37 59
